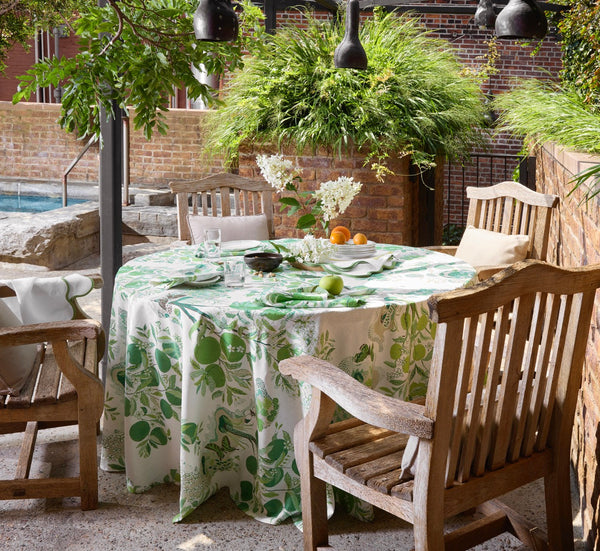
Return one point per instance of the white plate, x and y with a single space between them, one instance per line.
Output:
241 245
355 251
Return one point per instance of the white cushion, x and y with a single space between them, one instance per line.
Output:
488 248
409 459
232 227
16 362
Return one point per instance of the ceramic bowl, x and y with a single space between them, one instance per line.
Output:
263 262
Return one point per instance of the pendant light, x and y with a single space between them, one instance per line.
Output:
350 54
485 16
215 21
521 19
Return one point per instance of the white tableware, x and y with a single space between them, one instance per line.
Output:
354 251
212 242
234 270
240 245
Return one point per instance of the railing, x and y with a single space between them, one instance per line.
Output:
125 154
74 162
483 170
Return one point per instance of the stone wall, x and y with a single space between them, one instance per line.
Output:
391 211
574 241
33 146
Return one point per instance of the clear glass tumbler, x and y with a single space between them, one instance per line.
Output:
212 242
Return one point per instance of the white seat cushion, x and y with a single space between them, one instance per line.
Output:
232 227
16 362
488 248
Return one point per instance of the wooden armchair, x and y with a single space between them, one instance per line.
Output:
510 208
222 194
498 414
62 389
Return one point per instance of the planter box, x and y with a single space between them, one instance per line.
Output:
400 210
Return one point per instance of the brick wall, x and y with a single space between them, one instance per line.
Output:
574 241
386 212
32 145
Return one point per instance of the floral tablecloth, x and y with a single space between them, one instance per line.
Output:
193 391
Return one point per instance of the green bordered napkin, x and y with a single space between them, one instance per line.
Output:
313 297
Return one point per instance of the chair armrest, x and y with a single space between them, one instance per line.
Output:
446 249
357 399
47 332
485 272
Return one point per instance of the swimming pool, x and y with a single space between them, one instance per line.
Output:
33 203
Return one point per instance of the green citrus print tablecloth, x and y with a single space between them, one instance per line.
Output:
193 392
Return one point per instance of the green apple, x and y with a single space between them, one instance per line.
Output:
333 284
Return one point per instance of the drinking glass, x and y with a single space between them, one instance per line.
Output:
212 242
235 272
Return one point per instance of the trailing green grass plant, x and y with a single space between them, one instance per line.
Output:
545 112
414 98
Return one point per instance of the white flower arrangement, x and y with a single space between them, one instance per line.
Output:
315 207
312 249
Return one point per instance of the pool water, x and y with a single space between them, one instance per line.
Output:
33 203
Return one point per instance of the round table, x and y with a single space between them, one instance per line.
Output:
193 391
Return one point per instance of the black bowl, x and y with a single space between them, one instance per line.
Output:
263 262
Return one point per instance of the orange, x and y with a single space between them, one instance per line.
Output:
337 237
344 230
360 239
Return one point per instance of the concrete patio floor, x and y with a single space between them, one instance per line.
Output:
125 521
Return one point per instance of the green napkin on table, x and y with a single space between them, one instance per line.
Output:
312 297
188 276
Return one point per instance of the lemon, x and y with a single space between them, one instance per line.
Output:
333 284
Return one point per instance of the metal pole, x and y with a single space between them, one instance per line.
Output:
111 176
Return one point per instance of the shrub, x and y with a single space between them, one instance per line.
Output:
413 99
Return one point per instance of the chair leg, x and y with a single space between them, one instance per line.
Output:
557 488
313 496
88 464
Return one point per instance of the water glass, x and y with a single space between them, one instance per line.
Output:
212 242
234 272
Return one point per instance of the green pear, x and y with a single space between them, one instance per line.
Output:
333 284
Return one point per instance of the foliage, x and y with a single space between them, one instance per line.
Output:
580 30
134 53
412 99
546 112
316 208
452 234
20 18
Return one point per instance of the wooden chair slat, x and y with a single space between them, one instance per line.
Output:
492 378
509 386
404 490
347 438
388 477
563 338
527 376
249 197
460 396
378 466
46 390
367 452
473 404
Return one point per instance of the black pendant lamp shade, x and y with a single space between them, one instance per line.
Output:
521 19
350 54
485 16
215 21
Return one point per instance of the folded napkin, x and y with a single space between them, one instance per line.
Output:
189 276
361 267
44 299
312 297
